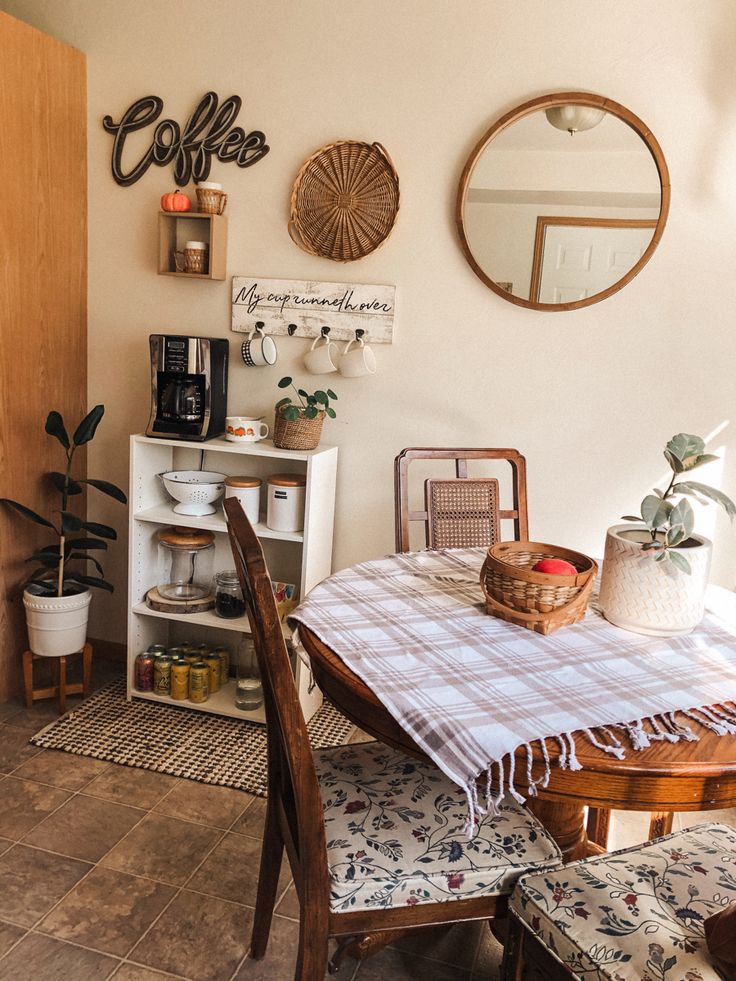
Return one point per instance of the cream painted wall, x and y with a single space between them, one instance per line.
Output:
590 396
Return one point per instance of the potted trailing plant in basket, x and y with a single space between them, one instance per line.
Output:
57 592
655 570
298 425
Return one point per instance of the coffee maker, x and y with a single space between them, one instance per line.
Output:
188 386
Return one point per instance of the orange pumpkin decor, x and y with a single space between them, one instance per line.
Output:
176 201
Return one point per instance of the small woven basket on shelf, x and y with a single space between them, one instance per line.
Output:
536 600
210 201
297 434
345 201
195 260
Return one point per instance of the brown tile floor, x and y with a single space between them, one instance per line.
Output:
111 872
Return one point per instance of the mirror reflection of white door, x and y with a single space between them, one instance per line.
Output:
577 259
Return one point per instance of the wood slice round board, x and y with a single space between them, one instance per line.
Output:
157 602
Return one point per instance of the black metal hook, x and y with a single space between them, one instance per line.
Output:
359 334
260 325
291 330
325 331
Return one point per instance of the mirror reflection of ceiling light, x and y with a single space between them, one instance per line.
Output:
574 119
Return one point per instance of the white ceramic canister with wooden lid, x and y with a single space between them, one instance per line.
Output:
286 492
248 491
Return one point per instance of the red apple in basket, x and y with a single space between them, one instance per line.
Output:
555 567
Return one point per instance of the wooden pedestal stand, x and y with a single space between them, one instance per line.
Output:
62 689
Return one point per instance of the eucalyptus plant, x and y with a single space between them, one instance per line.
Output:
667 514
58 570
309 405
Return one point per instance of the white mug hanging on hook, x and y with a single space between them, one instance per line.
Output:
319 358
259 349
359 360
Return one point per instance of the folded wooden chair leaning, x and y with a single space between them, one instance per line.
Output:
638 913
375 839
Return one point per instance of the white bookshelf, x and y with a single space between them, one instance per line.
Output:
304 558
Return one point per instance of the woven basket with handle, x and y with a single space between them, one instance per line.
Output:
345 201
297 434
536 600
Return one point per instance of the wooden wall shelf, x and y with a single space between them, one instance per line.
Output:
177 227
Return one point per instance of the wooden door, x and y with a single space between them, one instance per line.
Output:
43 291
577 258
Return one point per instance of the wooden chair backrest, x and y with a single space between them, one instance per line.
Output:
460 524
293 787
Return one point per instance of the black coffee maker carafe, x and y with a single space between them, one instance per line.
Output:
188 386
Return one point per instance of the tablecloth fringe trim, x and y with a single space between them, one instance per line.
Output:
662 727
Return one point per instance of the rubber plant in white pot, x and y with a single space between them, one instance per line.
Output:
655 571
57 593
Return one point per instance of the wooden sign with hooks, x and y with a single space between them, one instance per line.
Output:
303 308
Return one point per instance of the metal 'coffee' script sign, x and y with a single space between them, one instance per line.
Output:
208 132
300 308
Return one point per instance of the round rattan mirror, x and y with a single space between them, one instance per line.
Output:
563 201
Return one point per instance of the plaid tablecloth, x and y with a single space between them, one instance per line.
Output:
471 689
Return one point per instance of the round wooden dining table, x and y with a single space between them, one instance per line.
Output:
665 777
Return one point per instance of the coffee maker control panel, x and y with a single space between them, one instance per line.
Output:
175 354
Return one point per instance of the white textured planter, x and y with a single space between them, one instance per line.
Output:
651 597
57 625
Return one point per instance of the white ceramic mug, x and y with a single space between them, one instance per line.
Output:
245 429
318 358
360 361
259 349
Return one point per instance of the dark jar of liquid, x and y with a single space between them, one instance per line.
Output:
229 602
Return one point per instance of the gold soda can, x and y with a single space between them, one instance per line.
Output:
192 658
213 663
180 680
199 675
162 675
224 655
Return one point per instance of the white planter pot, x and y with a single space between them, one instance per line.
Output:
651 597
57 625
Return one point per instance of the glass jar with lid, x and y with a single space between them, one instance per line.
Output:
229 602
188 554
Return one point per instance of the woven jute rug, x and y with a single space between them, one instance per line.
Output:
179 741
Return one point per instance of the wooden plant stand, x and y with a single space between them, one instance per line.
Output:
62 689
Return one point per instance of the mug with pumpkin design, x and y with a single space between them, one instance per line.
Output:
245 429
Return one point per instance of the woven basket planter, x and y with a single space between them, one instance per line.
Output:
297 434
536 600
345 201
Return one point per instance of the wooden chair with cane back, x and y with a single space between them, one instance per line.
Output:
375 839
463 511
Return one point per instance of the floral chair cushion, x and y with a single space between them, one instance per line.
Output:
637 913
394 828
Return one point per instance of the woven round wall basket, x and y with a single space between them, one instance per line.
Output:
297 434
536 600
345 201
